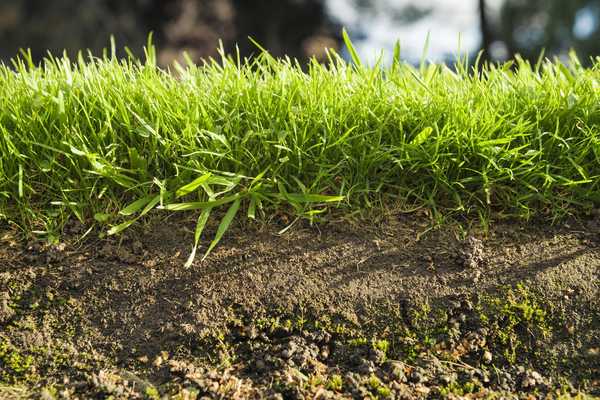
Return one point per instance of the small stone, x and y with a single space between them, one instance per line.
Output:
351 380
531 379
537 376
280 332
286 354
157 361
46 395
366 367
377 356
445 379
593 352
421 389
250 332
137 247
397 372
454 324
487 357
454 305
416 376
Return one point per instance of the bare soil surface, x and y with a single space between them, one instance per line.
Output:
392 309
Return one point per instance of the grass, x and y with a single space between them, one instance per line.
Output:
114 139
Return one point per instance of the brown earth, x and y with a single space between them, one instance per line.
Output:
392 309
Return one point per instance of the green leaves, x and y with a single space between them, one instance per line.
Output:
200 205
312 198
200 224
121 227
20 180
136 205
79 139
351 49
422 136
147 202
195 184
258 190
223 226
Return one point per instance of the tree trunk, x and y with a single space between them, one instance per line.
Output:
486 35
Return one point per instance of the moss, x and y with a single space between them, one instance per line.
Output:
14 366
358 342
335 383
49 392
186 394
382 345
517 323
151 393
384 392
374 382
316 380
457 389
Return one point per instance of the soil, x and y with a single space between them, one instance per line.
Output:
389 309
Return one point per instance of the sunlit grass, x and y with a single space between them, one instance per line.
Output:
86 137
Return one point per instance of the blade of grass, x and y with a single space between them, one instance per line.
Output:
353 54
200 224
195 184
223 226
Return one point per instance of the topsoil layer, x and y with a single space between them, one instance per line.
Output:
386 310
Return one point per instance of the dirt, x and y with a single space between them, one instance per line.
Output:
389 309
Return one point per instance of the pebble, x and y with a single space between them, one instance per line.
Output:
397 372
416 376
530 379
157 361
137 247
377 356
286 354
366 367
487 357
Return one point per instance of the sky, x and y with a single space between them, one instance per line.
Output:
449 23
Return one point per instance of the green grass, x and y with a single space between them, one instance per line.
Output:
89 137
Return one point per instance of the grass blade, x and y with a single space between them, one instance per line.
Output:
151 205
190 187
351 49
396 58
136 206
121 227
199 205
313 198
200 224
223 226
422 136
20 181
252 207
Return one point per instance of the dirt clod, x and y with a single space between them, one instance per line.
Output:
472 253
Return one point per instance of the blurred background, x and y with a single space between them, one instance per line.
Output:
303 28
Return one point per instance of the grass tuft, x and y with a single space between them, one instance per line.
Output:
117 138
